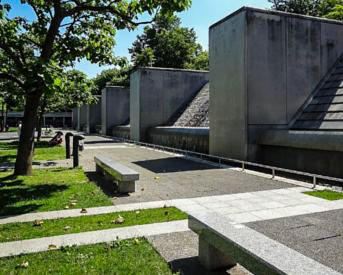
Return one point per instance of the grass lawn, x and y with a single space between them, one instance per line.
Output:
326 194
31 230
134 256
13 129
43 152
47 190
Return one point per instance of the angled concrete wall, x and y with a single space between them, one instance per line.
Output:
93 116
115 108
157 94
263 67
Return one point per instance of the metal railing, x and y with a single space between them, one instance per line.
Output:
242 164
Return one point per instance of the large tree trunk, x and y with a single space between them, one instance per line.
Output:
23 165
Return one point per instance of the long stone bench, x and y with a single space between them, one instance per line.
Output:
223 244
125 177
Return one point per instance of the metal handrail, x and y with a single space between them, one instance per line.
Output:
243 164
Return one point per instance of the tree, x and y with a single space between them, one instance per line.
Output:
76 91
321 8
166 44
116 77
34 54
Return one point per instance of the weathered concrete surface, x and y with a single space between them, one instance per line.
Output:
228 108
82 115
115 108
157 94
191 139
318 236
93 116
121 131
75 118
264 65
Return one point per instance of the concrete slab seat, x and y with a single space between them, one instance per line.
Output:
223 244
124 177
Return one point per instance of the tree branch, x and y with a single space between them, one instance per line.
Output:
12 78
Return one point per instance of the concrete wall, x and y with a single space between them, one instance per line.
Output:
93 116
279 59
157 94
115 108
82 115
75 118
191 139
121 132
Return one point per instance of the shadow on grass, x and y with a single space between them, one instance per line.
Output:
13 191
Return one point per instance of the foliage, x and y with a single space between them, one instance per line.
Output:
47 228
326 194
48 190
35 54
115 77
332 9
166 44
121 257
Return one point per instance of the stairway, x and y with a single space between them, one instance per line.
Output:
325 111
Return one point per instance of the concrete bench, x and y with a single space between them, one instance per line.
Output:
223 244
125 177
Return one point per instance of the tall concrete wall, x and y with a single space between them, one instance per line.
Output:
75 118
157 94
115 108
263 67
82 115
93 116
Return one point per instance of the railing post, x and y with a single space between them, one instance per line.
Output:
76 144
273 173
314 182
67 140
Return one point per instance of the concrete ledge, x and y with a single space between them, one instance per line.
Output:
253 250
313 140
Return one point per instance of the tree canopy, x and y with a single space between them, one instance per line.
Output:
166 44
34 54
332 9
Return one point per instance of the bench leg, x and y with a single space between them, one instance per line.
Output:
211 257
127 186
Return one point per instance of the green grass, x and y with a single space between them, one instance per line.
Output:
43 152
134 256
47 190
13 129
30 230
326 194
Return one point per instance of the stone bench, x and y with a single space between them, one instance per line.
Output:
125 177
224 244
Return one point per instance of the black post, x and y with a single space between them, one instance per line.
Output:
67 139
76 141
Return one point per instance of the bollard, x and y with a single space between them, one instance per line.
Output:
76 141
67 140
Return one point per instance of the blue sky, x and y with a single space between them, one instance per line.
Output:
200 16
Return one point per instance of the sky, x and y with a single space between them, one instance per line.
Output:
201 15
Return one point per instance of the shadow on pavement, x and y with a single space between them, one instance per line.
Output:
172 165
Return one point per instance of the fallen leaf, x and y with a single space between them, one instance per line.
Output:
73 204
142 189
157 178
119 220
137 241
38 223
137 212
66 207
84 211
52 246
67 228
